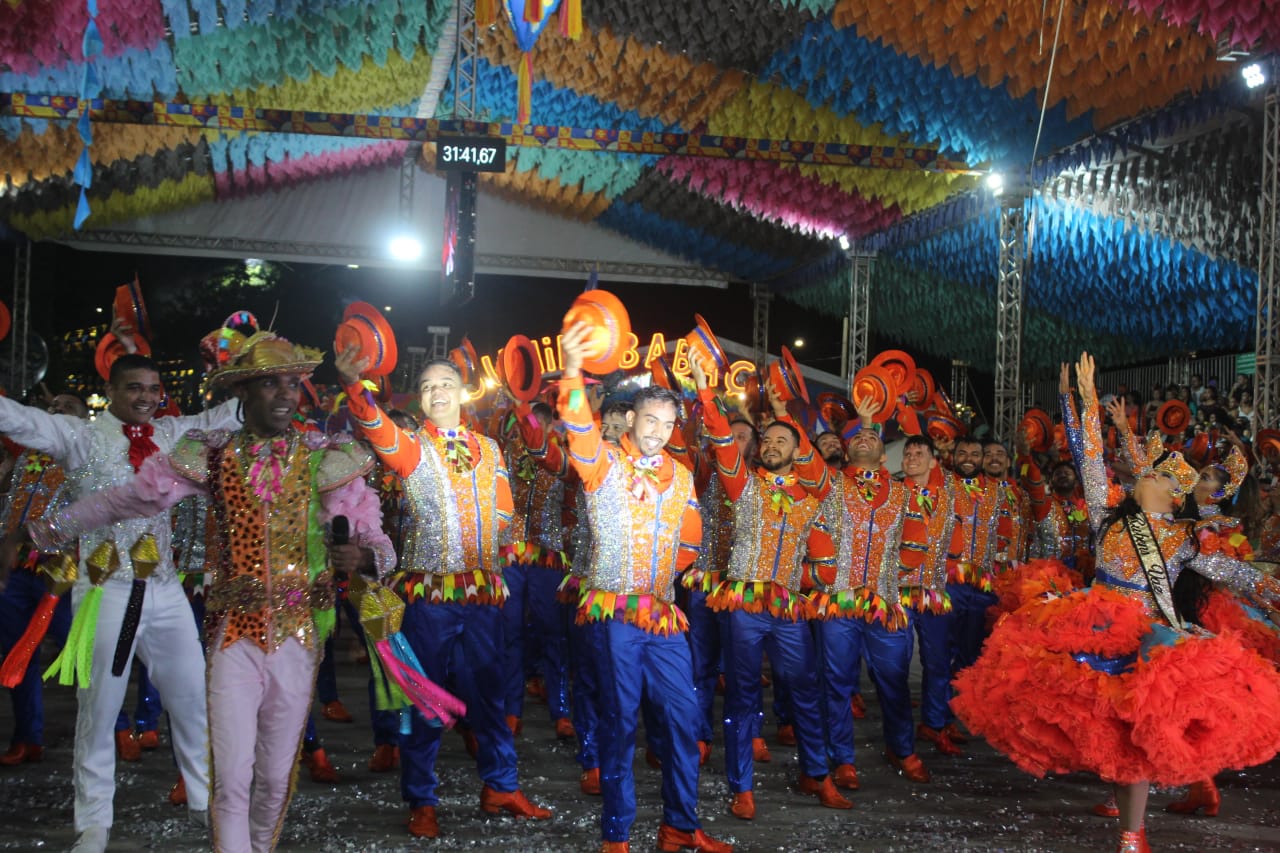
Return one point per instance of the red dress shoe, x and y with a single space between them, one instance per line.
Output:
22 753
336 712
671 840
589 782
743 805
825 791
1201 795
127 747
512 802
536 688
615 847
952 731
911 766
651 758
786 736
469 741
564 729
760 750
1134 842
515 724
386 757
178 793
149 740
846 776
939 739
321 770
704 751
858 707
1107 808
423 823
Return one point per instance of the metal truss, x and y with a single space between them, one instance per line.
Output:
959 384
239 247
858 354
21 320
465 61
1009 299
1266 390
760 299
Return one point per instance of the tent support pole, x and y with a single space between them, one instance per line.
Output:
856 353
760 298
1009 299
1266 391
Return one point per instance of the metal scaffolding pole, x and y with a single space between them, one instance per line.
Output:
1266 391
1009 298
465 61
959 384
21 320
858 341
760 298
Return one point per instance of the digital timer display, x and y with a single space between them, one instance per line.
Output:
471 154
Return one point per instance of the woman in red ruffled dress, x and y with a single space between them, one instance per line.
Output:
1110 679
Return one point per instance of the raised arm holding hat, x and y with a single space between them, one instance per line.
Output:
459 495
645 529
270 603
98 455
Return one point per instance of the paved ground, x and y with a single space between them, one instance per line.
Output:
976 802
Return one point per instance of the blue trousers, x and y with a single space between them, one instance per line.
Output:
934 632
586 715
791 652
843 644
630 663
968 623
17 604
460 647
536 637
704 647
327 675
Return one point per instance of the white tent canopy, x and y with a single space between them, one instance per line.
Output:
352 218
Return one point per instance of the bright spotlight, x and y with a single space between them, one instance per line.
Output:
386 308
995 182
799 343
406 247
844 243
353 266
1254 76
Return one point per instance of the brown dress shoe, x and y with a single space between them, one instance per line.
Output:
589 782
743 805
858 707
22 753
386 757
786 736
939 739
615 847
911 766
825 791
178 793
149 740
704 751
127 747
423 823
952 731
321 770
671 840
515 724
564 729
846 776
760 750
512 802
336 712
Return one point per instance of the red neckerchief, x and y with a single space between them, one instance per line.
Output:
140 444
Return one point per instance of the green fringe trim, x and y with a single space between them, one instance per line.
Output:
75 663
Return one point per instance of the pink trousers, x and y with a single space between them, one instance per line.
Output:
258 706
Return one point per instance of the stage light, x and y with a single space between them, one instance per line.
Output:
1253 74
844 243
799 343
353 266
995 183
406 247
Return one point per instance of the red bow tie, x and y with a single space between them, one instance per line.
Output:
140 444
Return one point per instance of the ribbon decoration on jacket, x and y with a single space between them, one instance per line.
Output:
266 471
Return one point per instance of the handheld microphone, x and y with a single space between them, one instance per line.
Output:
340 530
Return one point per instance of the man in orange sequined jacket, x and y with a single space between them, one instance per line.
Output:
645 529
456 485
777 529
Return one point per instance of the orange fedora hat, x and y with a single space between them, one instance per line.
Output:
110 348
610 324
900 366
1038 427
703 345
786 378
1173 417
131 309
520 369
363 326
875 383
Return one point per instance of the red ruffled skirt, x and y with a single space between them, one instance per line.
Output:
1067 684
